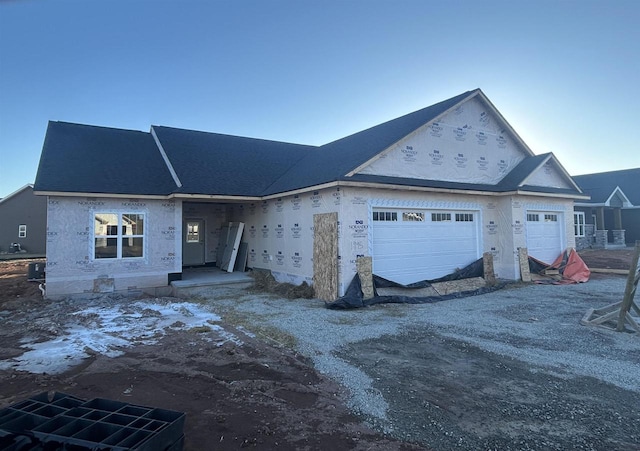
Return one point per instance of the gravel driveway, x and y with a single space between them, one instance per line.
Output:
512 369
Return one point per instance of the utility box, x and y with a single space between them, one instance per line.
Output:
36 271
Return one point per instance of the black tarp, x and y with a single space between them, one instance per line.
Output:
353 297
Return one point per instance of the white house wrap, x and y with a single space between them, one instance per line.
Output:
422 195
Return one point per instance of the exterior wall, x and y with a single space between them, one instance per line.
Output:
71 266
24 208
280 232
502 221
631 224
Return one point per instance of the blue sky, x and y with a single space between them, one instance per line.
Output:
565 74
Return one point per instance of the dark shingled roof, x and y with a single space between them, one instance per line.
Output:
332 161
215 164
88 159
600 186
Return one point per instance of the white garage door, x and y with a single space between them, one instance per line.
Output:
544 235
414 245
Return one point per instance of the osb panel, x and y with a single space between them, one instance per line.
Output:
408 292
523 260
365 272
456 286
325 256
487 265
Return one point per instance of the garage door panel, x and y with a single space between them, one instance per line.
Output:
544 235
410 251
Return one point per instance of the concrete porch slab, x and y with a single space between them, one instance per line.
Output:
209 276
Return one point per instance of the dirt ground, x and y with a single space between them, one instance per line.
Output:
607 259
253 395
262 395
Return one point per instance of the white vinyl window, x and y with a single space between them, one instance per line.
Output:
578 223
22 231
118 235
533 217
550 218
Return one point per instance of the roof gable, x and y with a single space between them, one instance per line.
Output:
549 173
17 193
469 143
602 186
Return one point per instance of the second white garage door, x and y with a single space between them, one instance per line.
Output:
544 235
414 245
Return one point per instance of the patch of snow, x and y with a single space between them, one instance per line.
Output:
109 330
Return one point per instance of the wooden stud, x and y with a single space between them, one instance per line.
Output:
630 290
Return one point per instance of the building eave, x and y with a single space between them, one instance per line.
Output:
100 195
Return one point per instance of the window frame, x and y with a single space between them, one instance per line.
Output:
22 231
444 216
579 227
120 235
385 216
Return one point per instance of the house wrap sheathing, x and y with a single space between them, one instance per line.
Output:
422 195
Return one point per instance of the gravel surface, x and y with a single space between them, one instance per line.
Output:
529 335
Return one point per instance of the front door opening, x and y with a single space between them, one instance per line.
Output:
193 244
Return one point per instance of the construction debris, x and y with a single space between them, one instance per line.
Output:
620 314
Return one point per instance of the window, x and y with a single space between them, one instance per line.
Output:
550 218
412 216
464 217
118 235
22 231
578 223
385 216
533 217
193 232
440 217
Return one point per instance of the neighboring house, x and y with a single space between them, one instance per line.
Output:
422 195
611 218
23 221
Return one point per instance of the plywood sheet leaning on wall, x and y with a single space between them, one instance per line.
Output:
325 256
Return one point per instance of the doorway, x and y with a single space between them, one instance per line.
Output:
193 242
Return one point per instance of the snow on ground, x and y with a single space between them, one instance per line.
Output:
109 330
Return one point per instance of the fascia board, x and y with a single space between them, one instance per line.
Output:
100 195
422 127
215 197
556 195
